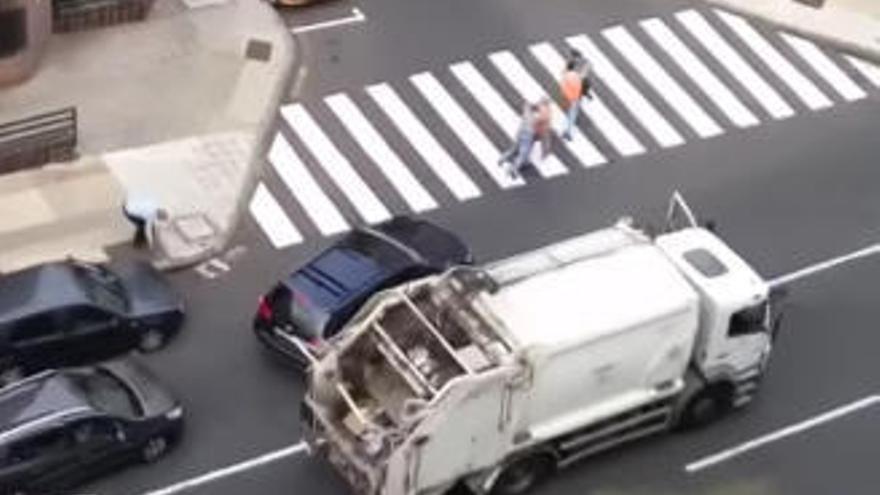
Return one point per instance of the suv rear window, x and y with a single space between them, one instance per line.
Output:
705 262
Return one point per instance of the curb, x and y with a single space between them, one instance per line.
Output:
290 64
869 52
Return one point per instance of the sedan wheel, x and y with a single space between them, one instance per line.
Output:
154 448
151 340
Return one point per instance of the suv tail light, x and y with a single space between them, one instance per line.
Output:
264 310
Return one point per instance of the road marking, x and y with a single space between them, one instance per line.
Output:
271 218
801 427
234 469
870 71
703 32
355 17
640 108
304 188
581 147
665 86
803 87
825 67
594 109
824 265
704 78
337 166
462 126
351 117
498 110
443 165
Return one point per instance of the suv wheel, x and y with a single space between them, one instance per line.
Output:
154 448
151 340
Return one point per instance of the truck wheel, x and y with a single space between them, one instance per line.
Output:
705 407
521 475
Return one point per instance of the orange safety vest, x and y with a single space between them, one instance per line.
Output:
572 86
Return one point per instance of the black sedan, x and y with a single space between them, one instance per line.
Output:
313 303
62 428
70 313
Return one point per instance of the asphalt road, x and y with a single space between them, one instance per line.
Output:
785 194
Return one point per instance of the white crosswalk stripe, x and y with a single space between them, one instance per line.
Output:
295 175
870 71
500 111
825 67
729 39
811 95
640 108
368 206
662 82
734 63
369 139
707 81
530 90
271 218
596 111
437 158
462 126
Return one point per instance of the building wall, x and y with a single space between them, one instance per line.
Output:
17 63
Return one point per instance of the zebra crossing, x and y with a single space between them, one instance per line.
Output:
434 139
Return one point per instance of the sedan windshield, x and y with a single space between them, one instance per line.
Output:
106 393
103 287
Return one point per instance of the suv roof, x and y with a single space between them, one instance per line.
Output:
39 288
42 397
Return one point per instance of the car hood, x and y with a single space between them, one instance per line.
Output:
153 397
148 291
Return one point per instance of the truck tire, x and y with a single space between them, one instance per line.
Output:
522 474
706 406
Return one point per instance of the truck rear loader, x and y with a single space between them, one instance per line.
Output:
491 377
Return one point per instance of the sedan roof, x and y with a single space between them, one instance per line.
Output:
42 396
38 289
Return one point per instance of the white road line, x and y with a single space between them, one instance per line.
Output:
304 188
581 147
869 70
271 218
825 67
824 265
355 17
231 470
741 449
498 110
639 106
462 126
337 166
443 165
707 81
667 87
703 32
814 98
594 109
369 139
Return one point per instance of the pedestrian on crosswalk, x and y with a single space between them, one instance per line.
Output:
535 126
575 84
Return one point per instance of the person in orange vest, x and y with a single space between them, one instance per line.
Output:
574 84
535 126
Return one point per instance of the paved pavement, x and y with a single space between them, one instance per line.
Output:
171 107
853 25
786 193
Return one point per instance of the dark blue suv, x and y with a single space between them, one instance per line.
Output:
314 302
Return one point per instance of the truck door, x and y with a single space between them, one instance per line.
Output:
748 337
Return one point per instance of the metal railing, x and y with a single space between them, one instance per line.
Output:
75 15
37 140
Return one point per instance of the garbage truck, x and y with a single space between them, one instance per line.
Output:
491 377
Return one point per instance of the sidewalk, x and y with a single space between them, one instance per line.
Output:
852 25
172 107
